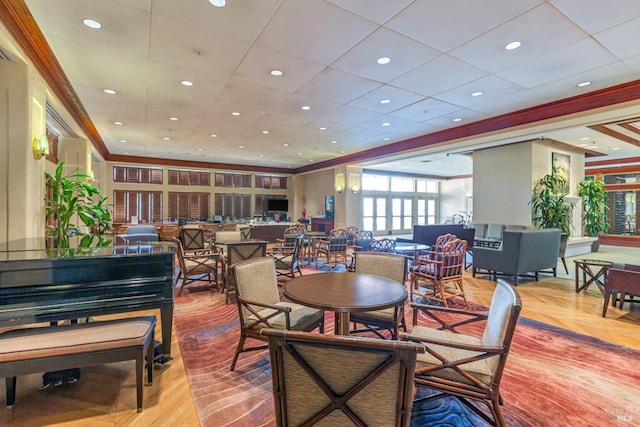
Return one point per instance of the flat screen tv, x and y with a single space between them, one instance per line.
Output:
279 205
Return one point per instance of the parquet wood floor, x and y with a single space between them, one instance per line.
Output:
105 396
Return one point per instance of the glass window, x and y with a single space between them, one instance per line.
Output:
381 214
375 182
402 184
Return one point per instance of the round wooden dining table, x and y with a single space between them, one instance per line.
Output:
344 293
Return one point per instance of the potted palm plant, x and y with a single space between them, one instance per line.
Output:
71 198
550 207
594 209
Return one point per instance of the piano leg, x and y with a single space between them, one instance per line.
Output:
166 322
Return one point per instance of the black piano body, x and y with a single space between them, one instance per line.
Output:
42 285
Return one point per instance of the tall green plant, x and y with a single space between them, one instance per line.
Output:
594 207
550 207
71 198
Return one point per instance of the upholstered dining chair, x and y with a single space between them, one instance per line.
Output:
236 252
390 266
193 239
288 257
194 266
467 366
437 276
259 305
333 380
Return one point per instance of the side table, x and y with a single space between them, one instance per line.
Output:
593 271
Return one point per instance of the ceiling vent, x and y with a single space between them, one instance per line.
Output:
53 115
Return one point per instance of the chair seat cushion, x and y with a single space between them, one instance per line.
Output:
481 369
384 314
203 264
299 316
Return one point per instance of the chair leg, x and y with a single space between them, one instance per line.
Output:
238 351
564 263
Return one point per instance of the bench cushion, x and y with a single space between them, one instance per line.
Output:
31 343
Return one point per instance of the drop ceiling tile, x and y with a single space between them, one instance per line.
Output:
494 89
426 109
575 58
316 31
242 20
404 52
597 15
352 135
488 52
349 115
446 25
437 76
618 39
398 97
337 86
633 62
395 124
260 61
379 11
245 94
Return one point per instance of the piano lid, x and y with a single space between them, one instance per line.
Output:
35 248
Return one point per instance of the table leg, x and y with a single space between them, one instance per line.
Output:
341 326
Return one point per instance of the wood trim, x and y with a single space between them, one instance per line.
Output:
612 170
612 162
17 18
630 127
615 134
618 240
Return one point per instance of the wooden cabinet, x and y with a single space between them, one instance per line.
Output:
321 224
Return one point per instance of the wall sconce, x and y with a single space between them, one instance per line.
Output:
354 182
40 147
340 182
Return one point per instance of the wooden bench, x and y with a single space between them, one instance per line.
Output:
24 351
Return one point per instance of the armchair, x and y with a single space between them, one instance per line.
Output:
194 267
259 305
338 381
236 252
621 281
139 233
288 257
334 248
467 366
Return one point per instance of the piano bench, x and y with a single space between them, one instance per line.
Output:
30 350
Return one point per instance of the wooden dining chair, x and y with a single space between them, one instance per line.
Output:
259 305
466 366
339 381
333 248
194 267
382 245
236 252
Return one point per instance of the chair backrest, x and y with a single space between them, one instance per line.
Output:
390 266
443 240
338 244
292 230
245 249
192 238
494 231
363 240
373 383
501 323
168 232
245 232
256 280
352 231
382 245
228 236
179 252
453 257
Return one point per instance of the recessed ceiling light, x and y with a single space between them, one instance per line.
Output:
174 119
218 3
118 123
235 113
513 45
166 138
276 73
323 128
92 23
265 132
260 155
110 91
186 83
200 149
126 152
385 101
387 139
123 140
334 142
583 84
457 119
305 107
311 160
386 124
299 154
478 93
342 152
584 145
213 135
615 148
586 138
594 146
383 60
240 146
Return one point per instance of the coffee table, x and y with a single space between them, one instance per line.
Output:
343 293
593 271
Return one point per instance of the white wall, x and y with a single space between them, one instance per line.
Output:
456 196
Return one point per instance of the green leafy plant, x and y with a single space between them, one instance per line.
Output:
594 207
550 207
70 198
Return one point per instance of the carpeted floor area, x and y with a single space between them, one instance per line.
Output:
553 376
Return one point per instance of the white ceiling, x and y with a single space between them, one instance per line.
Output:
441 52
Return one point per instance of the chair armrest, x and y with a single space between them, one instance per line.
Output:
262 304
433 311
463 346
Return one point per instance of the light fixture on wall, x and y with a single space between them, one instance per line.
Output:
354 182
339 182
40 147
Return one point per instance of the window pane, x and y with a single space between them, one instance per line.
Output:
367 206
421 186
401 184
432 186
367 223
395 223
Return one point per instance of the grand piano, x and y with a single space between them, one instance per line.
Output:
49 285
